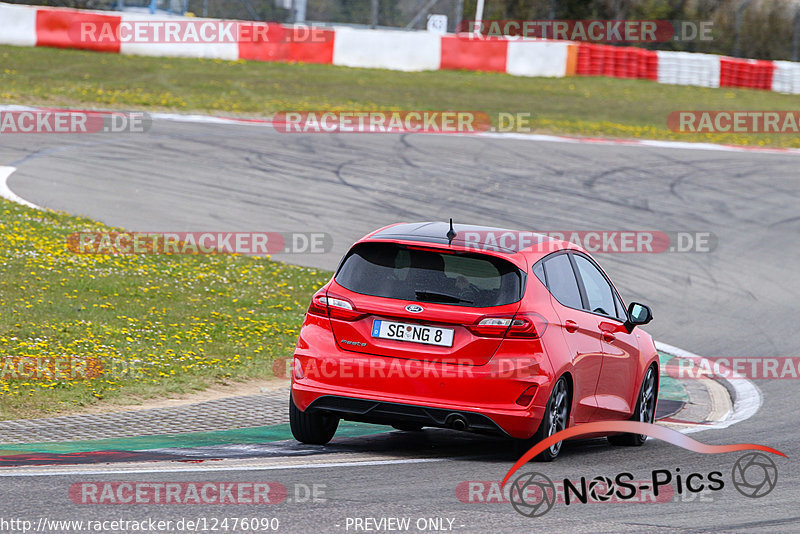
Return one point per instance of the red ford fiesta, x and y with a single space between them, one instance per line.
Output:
471 328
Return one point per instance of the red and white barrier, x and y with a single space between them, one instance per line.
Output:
61 28
537 58
684 68
228 51
786 78
17 25
404 50
387 49
751 73
488 55
287 43
616 61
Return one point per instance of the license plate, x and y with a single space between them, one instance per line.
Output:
416 333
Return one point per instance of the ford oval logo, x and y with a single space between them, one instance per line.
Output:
414 308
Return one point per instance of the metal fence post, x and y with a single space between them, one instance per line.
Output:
739 19
479 15
300 11
796 35
373 14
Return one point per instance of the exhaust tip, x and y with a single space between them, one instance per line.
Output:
456 421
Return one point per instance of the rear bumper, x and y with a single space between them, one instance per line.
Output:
382 409
384 390
370 411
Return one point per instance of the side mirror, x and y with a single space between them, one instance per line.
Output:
638 314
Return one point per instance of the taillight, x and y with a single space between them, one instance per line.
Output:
521 325
491 326
327 305
318 306
530 325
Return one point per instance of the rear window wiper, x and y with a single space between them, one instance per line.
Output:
433 296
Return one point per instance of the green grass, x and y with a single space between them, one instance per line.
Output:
576 105
159 325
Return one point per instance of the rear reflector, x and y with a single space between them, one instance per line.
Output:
298 370
527 395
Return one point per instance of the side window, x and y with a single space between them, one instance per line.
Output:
598 292
561 281
538 270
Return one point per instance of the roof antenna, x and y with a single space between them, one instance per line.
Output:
451 233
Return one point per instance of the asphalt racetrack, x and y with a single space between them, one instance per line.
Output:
739 300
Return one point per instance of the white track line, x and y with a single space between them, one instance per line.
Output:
748 397
172 117
209 119
7 193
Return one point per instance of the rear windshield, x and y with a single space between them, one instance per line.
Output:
394 271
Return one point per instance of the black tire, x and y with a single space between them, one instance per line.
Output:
407 426
645 411
555 419
312 428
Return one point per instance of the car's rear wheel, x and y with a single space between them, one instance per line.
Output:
645 411
310 427
555 420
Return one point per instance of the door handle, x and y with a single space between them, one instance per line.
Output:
608 337
570 326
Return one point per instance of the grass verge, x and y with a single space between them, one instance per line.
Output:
158 325
577 105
